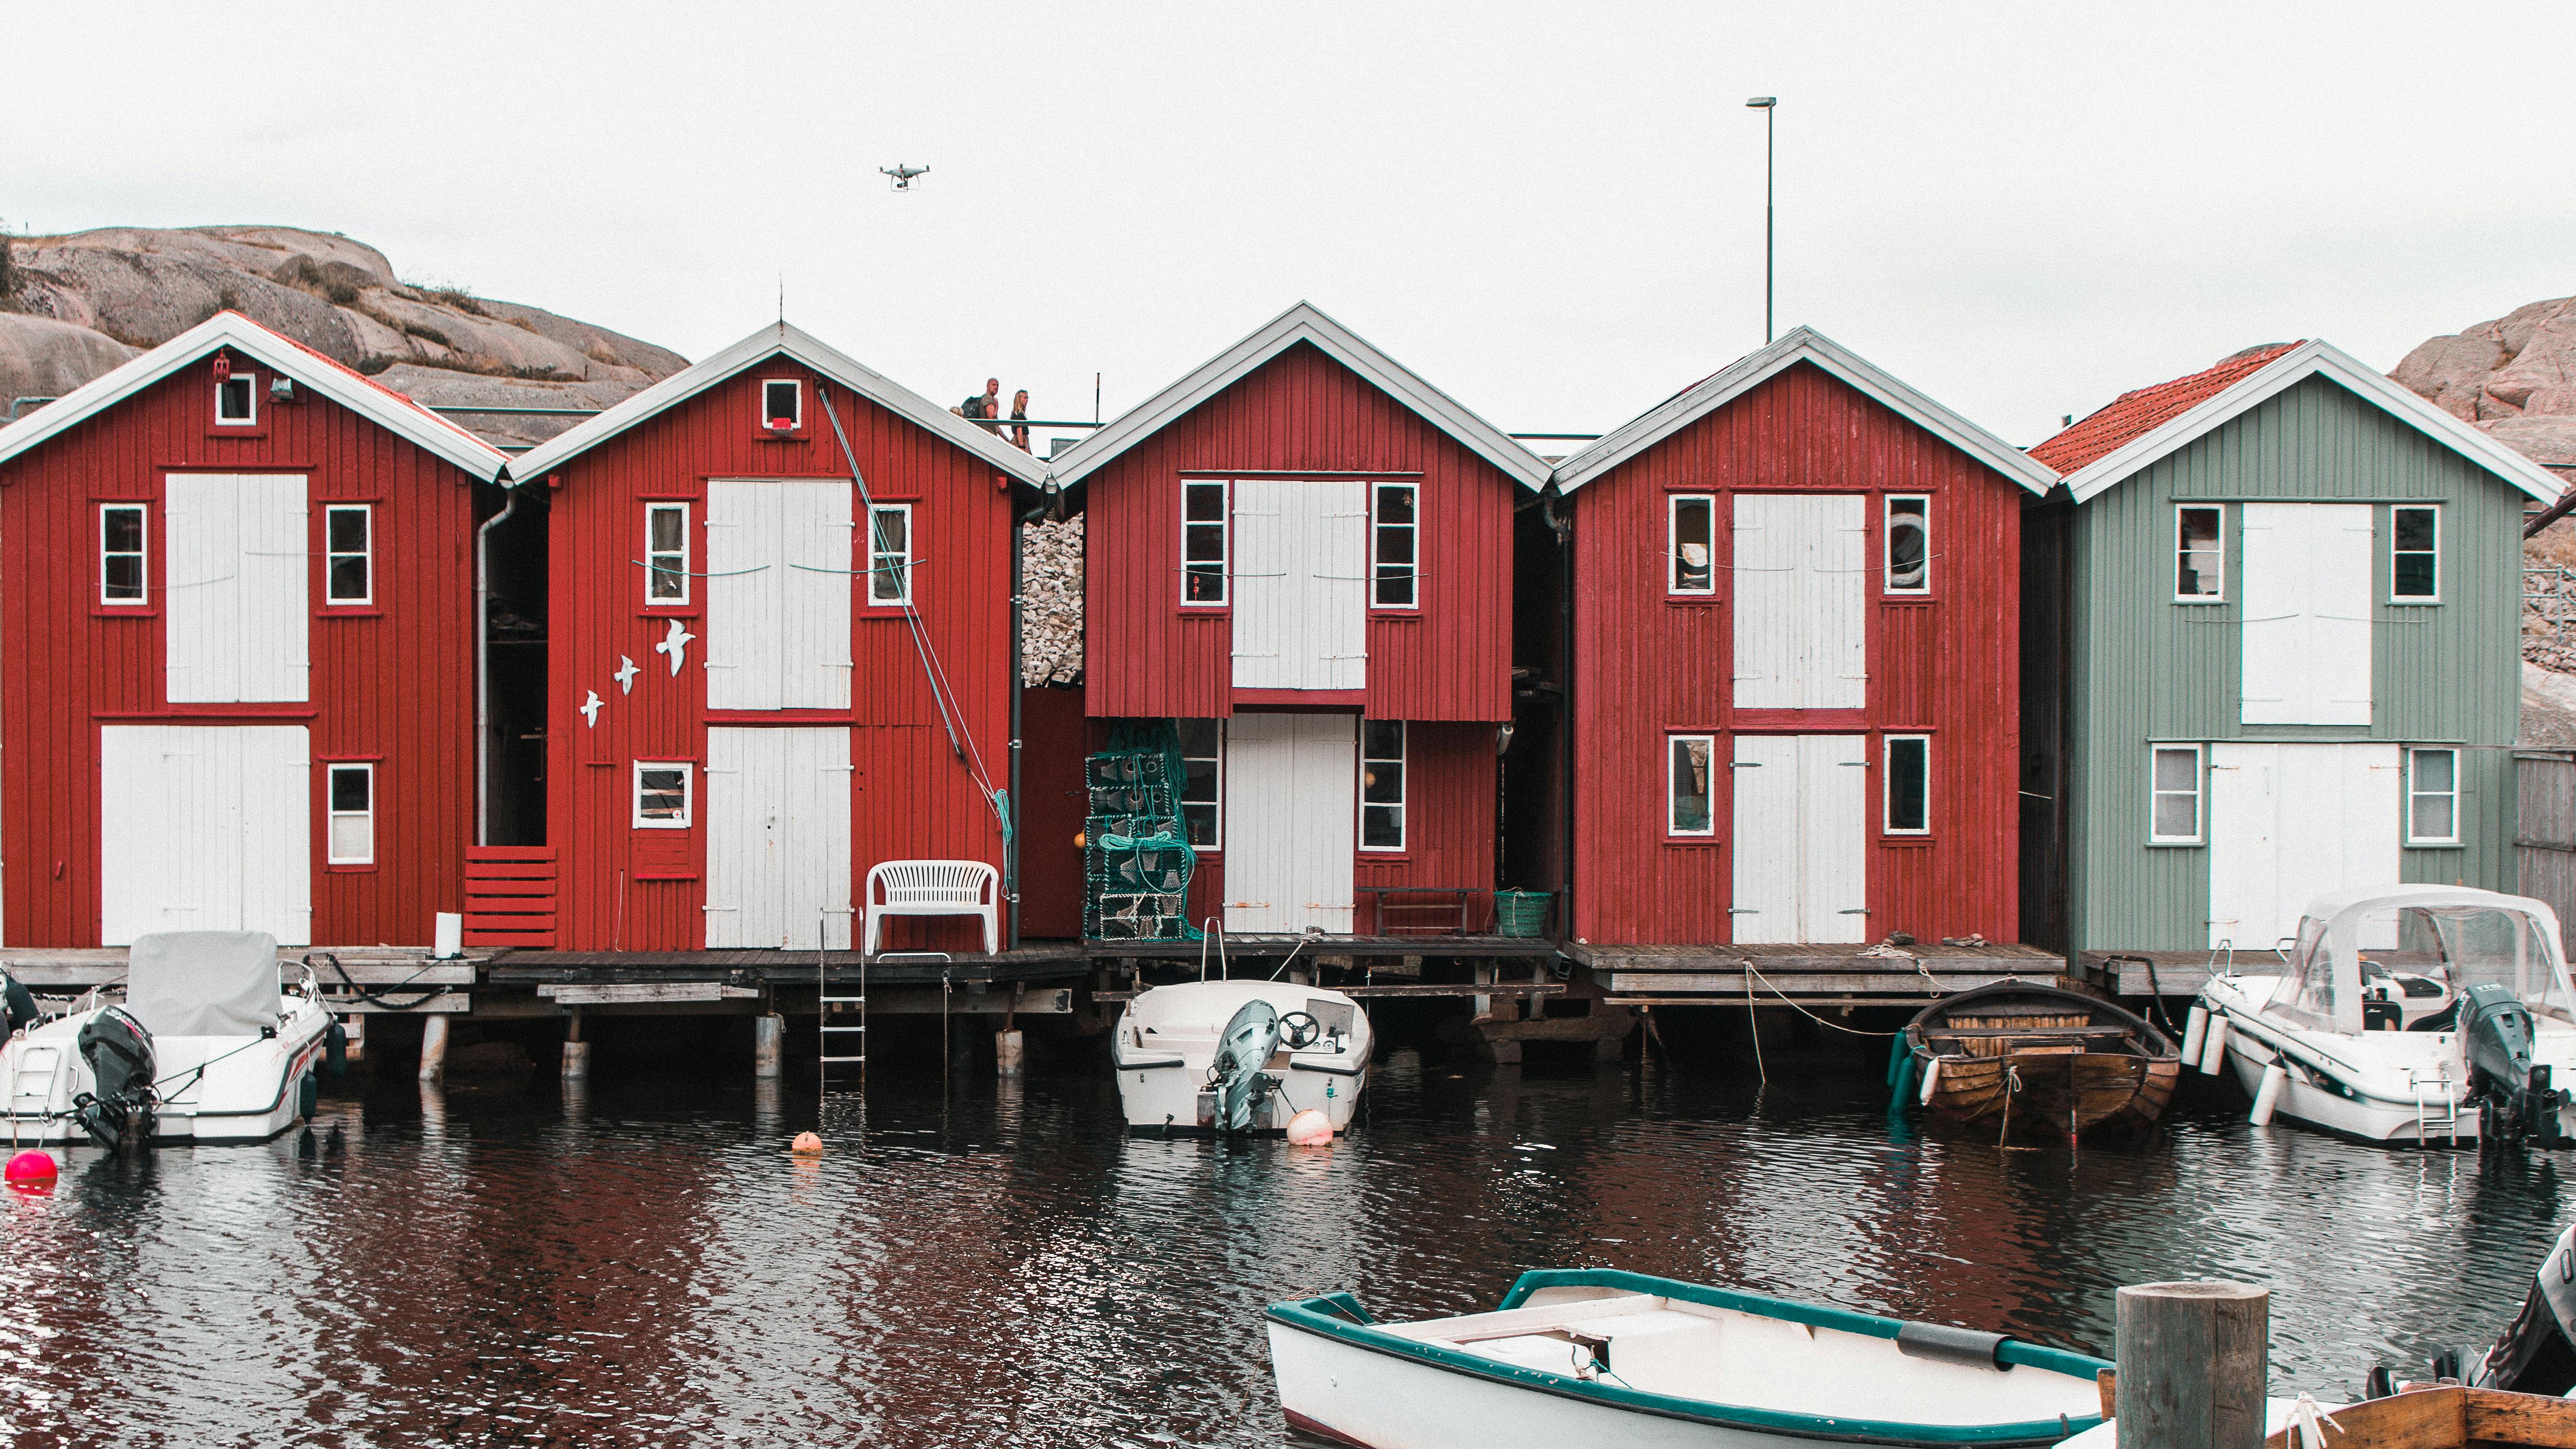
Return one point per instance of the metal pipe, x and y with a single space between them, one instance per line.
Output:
1019 815
483 667
1564 530
16 403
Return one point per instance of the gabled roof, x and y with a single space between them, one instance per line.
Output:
2140 427
779 339
343 385
1302 323
1802 345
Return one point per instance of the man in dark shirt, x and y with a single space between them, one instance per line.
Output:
988 403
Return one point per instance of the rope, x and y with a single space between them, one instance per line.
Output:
380 998
1751 975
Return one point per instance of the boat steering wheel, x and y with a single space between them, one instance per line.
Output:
1299 1030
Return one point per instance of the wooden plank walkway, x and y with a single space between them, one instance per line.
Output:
1837 974
1036 961
1265 947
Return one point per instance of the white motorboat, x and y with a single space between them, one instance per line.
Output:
205 1047
1239 1056
1596 1356
2404 1014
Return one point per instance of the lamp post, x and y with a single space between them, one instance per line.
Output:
1769 106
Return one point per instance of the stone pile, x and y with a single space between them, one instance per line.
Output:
1051 585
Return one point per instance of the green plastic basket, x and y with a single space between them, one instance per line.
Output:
1522 913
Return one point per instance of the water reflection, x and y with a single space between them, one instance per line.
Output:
982 1262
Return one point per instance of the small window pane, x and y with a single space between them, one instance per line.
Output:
234 400
1694 546
1395 504
2415 560
2177 770
124 576
666 553
1385 739
2433 796
121 529
2199 555
779 404
1690 784
670 530
2433 817
120 555
1206 502
662 795
1382 784
353 839
1395 546
348 579
1909 545
2174 804
2177 816
350 833
348 530
1909 785
1201 775
890 565
350 789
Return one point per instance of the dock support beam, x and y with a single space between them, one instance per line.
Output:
433 1048
1007 1049
768 1044
2192 1363
576 1054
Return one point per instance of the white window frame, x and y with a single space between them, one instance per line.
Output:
1672 780
2414 755
653 570
1216 832
1224 525
688 794
1403 762
1673 587
332 814
1887 790
141 554
1887 545
2434 597
366 554
2199 795
249 382
2179 551
796 418
1378 530
897 566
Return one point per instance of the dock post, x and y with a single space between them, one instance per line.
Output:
768 1044
433 1048
576 1053
2192 1363
1007 1049
356 1026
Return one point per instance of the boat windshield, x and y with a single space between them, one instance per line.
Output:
2311 997
2460 946
2481 946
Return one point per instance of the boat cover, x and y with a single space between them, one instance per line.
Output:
203 983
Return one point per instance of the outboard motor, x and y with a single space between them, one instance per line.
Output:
2517 1102
119 1053
2537 1354
1235 1077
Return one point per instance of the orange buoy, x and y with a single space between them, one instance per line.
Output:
807 1142
33 1168
1310 1128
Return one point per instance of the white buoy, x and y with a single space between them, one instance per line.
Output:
1931 1080
2192 1028
2213 1051
2276 1080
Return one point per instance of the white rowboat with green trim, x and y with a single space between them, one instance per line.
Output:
1598 1357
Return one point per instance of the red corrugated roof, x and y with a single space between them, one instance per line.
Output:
2132 415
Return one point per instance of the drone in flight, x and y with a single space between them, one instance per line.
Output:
903 174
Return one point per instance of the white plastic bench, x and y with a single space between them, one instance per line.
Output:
936 888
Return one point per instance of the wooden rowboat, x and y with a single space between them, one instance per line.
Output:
2038 1058
2445 1417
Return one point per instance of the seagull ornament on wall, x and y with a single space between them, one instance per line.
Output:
590 708
675 644
625 676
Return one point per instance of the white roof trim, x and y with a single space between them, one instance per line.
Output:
231 329
2310 359
1302 323
1804 344
775 340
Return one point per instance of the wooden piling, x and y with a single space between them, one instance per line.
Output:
2193 1358
768 1045
433 1048
1008 1047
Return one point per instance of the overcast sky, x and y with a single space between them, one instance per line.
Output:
1553 212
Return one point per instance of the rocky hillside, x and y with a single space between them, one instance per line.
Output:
71 307
2515 377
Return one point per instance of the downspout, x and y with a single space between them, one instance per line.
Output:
1563 528
1019 607
483 663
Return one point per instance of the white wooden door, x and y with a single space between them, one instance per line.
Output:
1291 821
1300 584
1801 839
779 557
236 560
2306 599
1801 593
205 828
2287 823
778 838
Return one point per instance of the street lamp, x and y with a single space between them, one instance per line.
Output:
1769 106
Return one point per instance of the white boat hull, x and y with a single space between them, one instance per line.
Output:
248 1091
1167 1038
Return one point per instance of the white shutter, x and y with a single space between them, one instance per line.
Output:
1801 839
1297 775
737 800
276 571
2288 823
1768 860
1834 785
1801 589
148 819
814 839
275 822
814 623
201 603
205 828
1300 585
2306 606
744 581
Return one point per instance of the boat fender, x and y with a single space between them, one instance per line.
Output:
1931 1081
308 1096
335 1049
2267 1097
1946 1344
1310 1128
2194 1027
2213 1051
1904 1083
1899 1052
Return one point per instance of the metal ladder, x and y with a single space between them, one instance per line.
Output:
828 1006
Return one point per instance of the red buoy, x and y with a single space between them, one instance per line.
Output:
32 1167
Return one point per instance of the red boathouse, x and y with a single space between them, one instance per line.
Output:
764 676
240 692
1795 662
1300 554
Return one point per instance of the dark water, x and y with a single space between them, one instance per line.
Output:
643 1264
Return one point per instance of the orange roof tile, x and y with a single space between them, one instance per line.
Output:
2132 415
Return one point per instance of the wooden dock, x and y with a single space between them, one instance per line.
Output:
1272 947
1854 975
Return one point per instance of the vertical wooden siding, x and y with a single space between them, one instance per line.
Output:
2147 668
393 683
911 797
1300 412
1946 664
